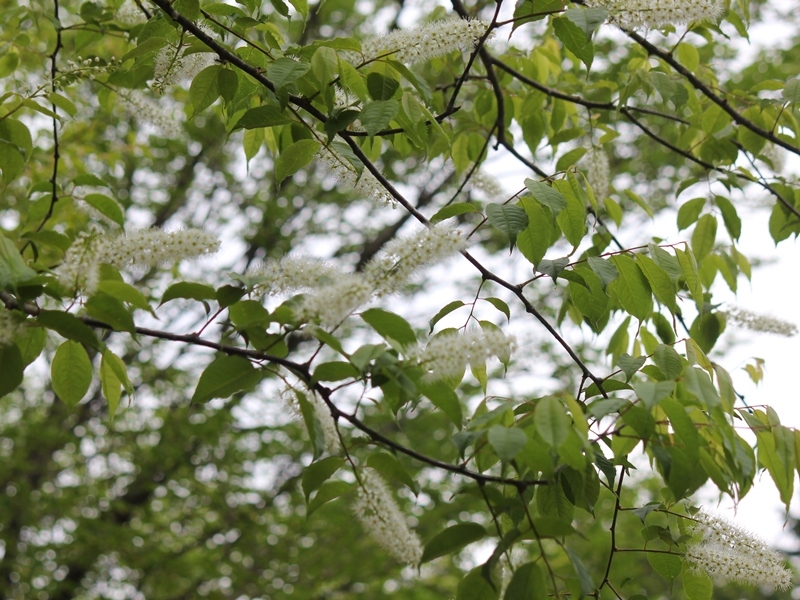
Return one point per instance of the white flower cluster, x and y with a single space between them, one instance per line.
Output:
80 269
757 322
404 255
145 109
335 295
381 517
130 14
10 327
728 553
363 184
447 355
775 155
172 66
328 426
598 172
654 14
489 185
427 41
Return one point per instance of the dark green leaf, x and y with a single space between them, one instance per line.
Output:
205 88
632 287
225 376
507 442
527 583
68 326
391 468
630 365
452 539
453 210
294 158
110 311
335 371
390 326
318 472
263 116
377 115
574 39
552 422
381 87
546 195
284 71
12 368
476 586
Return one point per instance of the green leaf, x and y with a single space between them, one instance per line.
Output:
588 19
585 578
205 88
509 219
228 84
110 311
325 66
377 115
284 71
68 326
630 365
13 268
390 326
604 269
300 6
791 91
729 216
572 220
125 292
189 291
500 305
632 287
668 361
445 399
453 210
697 585
391 468
225 376
527 583
319 472
248 313
110 382
106 206
552 422
444 311
703 237
452 540
546 195
507 442
330 490
13 367
690 276
475 586
71 373
652 392
294 158
669 566
574 39
263 116
534 241
381 87
335 371
659 280
570 158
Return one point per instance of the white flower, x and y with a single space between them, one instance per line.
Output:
729 553
80 269
426 41
633 14
327 425
363 184
403 256
145 109
172 66
598 172
130 14
758 322
448 354
381 517
488 184
775 155
332 304
10 327
293 273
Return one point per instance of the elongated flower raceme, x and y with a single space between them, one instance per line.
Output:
654 14
10 327
146 109
427 41
598 172
728 553
324 419
145 248
363 184
381 518
758 322
172 66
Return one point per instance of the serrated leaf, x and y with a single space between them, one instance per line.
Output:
13 268
335 371
527 583
319 472
669 566
330 490
452 539
552 268
546 195
506 442
552 422
689 212
381 87
630 365
668 361
71 373
632 287
574 39
697 585
477 585
534 241
108 207
604 269
791 91
205 88
377 115
660 282
284 71
300 6
704 236
390 326
189 291
294 158
263 116
729 216
110 311
125 292
500 305
507 218
444 311
571 220
391 468
445 399
453 210
588 19
225 376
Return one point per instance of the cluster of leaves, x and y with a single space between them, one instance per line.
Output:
185 492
